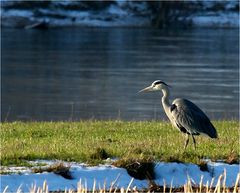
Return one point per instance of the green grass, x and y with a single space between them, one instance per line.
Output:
93 141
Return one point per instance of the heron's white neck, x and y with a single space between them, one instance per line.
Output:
165 100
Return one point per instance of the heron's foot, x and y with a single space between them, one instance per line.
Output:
195 147
194 143
186 142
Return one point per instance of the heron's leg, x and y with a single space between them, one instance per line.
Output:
194 142
186 142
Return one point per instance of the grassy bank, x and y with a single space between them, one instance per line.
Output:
93 141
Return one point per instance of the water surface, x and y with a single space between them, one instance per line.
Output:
73 74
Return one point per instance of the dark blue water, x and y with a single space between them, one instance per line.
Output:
73 74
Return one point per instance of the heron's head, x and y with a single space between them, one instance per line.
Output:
155 86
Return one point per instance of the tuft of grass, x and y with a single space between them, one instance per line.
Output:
233 158
203 166
100 154
92 141
58 168
138 169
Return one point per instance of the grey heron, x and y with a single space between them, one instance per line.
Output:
183 114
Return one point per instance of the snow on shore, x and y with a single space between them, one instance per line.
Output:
118 13
172 173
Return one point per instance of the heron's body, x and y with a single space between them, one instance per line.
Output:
183 114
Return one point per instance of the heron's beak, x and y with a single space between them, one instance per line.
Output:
147 89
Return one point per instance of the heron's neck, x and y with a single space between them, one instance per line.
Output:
165 99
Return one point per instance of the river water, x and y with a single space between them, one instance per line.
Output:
95 73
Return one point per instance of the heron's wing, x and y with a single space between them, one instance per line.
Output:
193 119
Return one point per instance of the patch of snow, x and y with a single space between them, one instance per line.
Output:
16 13
178 173
208 4
17 170
118 13
175 174
231 5
43 162
65 13
99 174
231 171
121 3
113 9
64 3
216 20
113 21
113 16
139 6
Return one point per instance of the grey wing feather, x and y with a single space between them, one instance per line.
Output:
192 118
